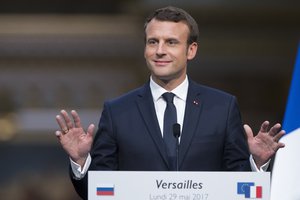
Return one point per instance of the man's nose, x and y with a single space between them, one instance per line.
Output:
160 50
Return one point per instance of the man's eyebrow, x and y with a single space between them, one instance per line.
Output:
151 38
172 39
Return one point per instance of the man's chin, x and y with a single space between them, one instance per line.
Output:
164 77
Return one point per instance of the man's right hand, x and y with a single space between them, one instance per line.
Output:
75 141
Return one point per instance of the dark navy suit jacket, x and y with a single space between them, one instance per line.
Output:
129 137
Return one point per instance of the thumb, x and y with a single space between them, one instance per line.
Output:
248 131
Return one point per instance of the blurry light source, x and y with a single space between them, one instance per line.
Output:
7 127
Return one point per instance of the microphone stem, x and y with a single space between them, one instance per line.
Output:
176 132
177 153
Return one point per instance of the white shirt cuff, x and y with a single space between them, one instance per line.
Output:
254 168
78 171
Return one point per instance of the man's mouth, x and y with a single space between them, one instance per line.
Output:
162 62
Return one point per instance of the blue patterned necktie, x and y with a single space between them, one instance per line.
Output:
170 118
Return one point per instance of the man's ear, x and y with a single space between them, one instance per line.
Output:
192 50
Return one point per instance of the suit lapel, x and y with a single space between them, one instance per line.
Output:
147 111
191 118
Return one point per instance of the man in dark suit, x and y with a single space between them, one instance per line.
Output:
132 130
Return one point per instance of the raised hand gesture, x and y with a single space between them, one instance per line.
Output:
75 141
266 143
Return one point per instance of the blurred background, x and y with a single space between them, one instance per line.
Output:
76 54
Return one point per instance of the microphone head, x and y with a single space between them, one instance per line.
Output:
176 130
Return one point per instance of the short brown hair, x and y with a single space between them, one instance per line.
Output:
174 14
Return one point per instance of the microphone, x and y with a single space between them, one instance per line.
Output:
176 133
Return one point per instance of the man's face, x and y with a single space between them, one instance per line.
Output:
167 51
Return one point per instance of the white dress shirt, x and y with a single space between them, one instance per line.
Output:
160 104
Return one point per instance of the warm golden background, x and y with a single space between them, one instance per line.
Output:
76 54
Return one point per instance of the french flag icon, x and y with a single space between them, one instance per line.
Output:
250 190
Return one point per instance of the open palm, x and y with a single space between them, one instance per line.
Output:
74 140
265 144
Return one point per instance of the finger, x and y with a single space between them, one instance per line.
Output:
281 145
248 131
67 119
90 130
61 122
275 129
58 134
76 119
279 135
264 126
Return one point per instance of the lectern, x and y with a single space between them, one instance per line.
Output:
162 185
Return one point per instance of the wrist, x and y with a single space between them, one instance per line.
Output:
80 161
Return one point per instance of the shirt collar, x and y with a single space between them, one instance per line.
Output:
180 91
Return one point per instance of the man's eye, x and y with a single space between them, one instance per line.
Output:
151 42
172 42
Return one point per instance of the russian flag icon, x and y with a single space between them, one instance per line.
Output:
105 190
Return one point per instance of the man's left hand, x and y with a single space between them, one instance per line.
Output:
265 144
